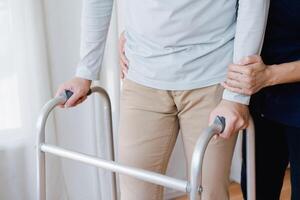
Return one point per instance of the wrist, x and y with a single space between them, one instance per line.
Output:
88 82
84 81
271 75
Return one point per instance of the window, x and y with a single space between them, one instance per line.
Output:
10 111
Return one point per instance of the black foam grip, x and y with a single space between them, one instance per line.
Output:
223 122
69 93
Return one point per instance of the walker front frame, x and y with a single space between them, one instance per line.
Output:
193 186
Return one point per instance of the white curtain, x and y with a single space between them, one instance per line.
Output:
39 50
24 88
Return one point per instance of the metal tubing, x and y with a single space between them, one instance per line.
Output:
108 129
195 187
250 152
141 174
40 159
41 124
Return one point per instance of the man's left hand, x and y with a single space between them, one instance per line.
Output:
236 117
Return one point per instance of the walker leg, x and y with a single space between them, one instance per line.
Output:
195 187
41 175
195 184
40 156
250 152
108 129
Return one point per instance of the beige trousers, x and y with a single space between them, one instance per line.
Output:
149 124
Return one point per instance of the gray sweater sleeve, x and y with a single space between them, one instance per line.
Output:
96 15
250 29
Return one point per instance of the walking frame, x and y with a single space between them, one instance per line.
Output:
192 186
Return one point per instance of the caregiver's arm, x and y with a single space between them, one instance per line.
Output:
95 22
253 74
250 28
284 73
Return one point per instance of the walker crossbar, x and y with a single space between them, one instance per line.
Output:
145 175
192 186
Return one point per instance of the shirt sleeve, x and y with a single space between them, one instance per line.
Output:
250 28
95 20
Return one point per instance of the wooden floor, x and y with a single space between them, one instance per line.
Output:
236 194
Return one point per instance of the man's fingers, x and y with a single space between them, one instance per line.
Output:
122 37
122 75
124 69
82 99
233 125
124 59
73 99
122 49
229 128
60 90
121 42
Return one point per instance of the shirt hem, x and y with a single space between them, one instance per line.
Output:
164 85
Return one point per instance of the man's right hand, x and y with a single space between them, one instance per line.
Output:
79 87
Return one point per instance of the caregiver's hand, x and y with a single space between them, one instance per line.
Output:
123 59
79 87
248 77
236 117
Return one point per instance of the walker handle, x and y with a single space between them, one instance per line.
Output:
220 121
68 93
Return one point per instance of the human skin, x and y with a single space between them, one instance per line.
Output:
79 87
252 74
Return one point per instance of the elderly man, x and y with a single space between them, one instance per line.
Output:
178 52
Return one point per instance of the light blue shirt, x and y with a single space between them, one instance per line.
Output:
176 44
